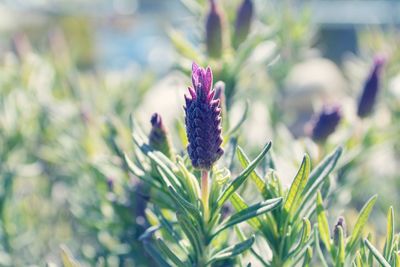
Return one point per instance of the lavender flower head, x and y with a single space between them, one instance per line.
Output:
203 120
324 123
244 17
340 223
158 137
214 31
371 88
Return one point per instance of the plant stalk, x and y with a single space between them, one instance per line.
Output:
205 193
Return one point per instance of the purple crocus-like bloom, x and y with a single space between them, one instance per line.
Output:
325 123
340 223
371 88
244 17
214 31
203 120
158 137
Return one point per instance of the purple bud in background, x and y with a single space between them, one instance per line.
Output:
110 183
203 120
340 223
244 17
324 123
214 31
219 89
370 91
159 138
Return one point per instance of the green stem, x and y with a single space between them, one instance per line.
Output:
205 193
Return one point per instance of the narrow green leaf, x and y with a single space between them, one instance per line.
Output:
360 223
296 189
155 254
296 255
316 179
185 206
396 257
232 251
168 253
239 204
323 226
249 213
307 257
190 181
387 251
244 161
340 256
135 170
357 261
191 233
235 184
323 169
378 256
305 235
319 251
67 259
170 230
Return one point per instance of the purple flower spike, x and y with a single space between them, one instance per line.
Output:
203 120
244 17
159 138
325 123
371 88
214 31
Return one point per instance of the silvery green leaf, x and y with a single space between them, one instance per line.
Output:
389 235
360 223
323 226
232 251
378 256
249 213
294 195
238 181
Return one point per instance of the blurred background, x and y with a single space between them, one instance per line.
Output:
72 71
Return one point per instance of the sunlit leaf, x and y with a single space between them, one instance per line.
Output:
244 161
238 181
323 226
387 251
233 251
296 189
360 223
378 256
249 213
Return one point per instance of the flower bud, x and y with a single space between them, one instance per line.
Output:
370 91
214 31
340 223
203 120
159 138
244 17
324 123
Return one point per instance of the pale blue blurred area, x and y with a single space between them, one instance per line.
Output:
130 32
125 31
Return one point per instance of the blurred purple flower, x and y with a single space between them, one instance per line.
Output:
203 120
244 17
368 97
214 31
324 123
159 138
